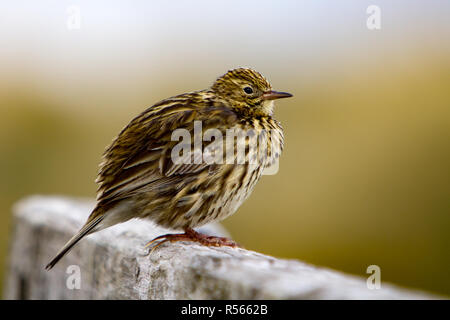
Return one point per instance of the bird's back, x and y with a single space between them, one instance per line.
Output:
139 164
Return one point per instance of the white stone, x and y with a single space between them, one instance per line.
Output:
115 265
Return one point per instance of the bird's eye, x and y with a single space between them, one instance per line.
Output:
248 90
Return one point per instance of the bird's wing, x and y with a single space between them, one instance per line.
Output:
141 154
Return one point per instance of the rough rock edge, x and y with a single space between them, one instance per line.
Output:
115 265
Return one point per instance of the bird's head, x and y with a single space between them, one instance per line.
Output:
247 90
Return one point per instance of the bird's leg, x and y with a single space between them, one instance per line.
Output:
194 236
210 240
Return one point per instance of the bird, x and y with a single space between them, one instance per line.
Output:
143 176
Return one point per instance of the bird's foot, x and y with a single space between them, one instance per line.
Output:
193 236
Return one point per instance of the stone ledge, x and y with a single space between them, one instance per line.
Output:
115 265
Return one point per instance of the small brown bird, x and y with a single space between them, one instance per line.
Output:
141 176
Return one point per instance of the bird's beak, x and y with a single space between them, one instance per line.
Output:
272 95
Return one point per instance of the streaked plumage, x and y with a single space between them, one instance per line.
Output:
138 179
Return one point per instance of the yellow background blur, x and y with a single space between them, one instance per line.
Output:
365 176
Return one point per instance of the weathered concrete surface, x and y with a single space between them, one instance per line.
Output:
115 265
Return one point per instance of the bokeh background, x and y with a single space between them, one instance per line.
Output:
365 176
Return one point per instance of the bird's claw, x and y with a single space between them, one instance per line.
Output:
193 236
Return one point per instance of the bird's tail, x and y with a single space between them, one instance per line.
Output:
87 228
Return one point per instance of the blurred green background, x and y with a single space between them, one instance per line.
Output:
365 176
